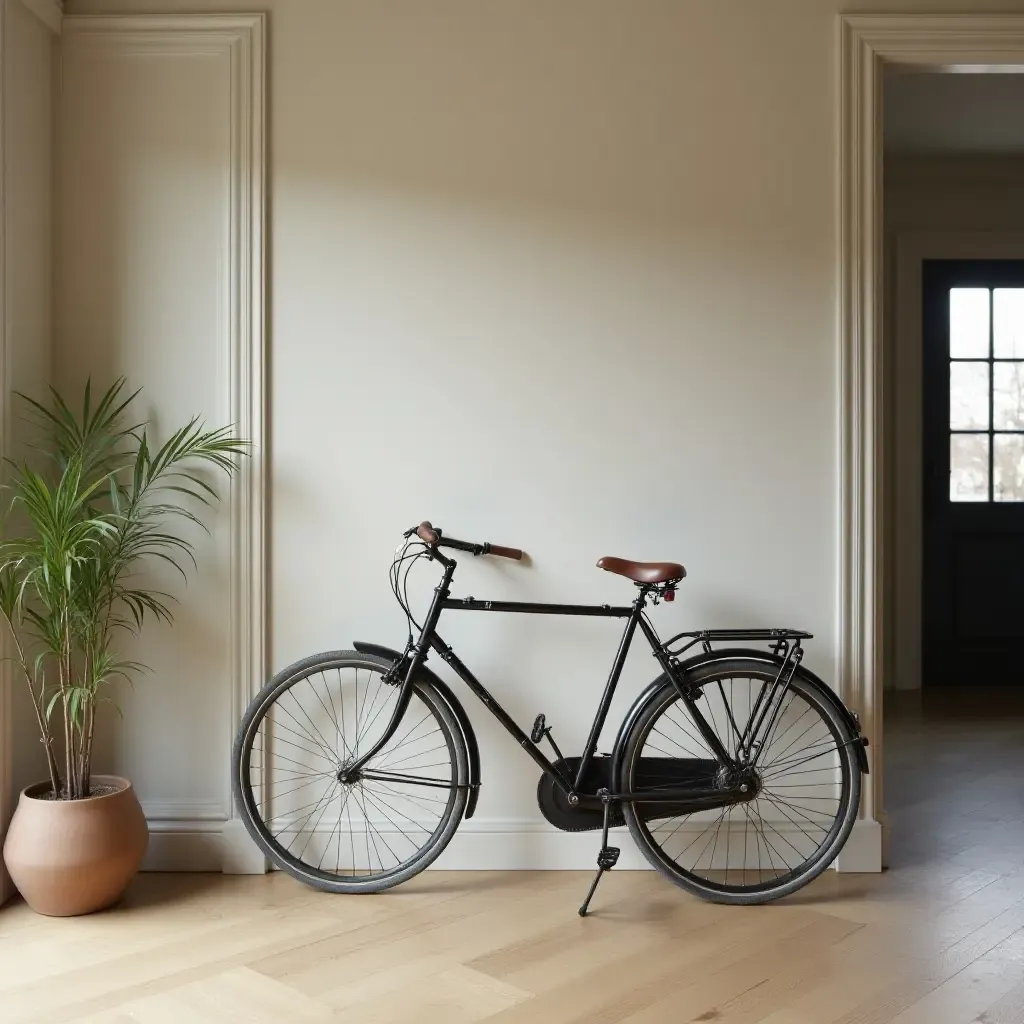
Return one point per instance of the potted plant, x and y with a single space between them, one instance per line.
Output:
78 536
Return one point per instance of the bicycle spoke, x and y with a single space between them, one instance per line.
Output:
699 740
326 746
783 753
328 712
276 725
827 746
361 730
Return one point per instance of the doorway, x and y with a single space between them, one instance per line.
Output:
972 595
872 47
950 447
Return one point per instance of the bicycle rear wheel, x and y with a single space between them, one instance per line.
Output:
808 786
362 835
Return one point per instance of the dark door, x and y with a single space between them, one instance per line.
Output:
973 600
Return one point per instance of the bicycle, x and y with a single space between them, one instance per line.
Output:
329 785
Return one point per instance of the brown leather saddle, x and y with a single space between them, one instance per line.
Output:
643 572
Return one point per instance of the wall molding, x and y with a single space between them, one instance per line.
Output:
868 44
49 12
6 732
187 835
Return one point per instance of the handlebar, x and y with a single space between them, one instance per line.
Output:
429 535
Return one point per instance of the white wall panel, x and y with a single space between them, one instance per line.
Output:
158 278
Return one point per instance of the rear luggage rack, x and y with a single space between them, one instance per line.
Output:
775 638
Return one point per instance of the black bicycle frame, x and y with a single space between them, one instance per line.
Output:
634 614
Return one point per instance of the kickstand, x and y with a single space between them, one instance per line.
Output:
608 856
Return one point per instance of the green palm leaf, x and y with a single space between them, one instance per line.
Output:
74 573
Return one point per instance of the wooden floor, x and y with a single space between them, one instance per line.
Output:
939 939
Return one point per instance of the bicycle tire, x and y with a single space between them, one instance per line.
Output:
249 741
799 806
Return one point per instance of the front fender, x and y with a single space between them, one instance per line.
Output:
618 752
454 705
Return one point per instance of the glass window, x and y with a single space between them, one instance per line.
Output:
969 323
968 467
1008 467
968 396
1007 395
1008 323
986 394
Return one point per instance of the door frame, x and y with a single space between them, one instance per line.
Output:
868 44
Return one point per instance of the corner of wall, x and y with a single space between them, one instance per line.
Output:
49 12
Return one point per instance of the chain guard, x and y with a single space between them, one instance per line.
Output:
587 815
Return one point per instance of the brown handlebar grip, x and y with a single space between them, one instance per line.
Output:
497 549
427 533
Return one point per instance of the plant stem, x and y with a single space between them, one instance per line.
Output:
65 672
87 748
37 707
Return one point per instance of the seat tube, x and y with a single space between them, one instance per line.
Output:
609 690
419 654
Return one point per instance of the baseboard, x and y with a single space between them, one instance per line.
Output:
863 850
478 845
184 846
202 846
184 835
529 845
241 856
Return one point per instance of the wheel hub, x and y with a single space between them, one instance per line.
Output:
744 781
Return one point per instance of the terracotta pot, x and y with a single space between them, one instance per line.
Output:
71 857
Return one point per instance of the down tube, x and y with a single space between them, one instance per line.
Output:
495 708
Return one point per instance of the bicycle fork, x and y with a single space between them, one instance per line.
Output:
415 657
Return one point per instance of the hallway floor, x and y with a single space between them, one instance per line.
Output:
938 939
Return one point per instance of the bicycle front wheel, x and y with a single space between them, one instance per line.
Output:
808 786
327 829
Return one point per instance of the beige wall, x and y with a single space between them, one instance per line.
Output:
555 275
935 207
27 60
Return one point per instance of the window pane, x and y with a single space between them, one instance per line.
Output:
968 396
1008 396
1008 322
1008 467
968 323
968 467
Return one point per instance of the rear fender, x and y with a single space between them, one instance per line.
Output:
454 705
768 658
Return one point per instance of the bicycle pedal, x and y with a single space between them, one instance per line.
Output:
608 858
539 728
